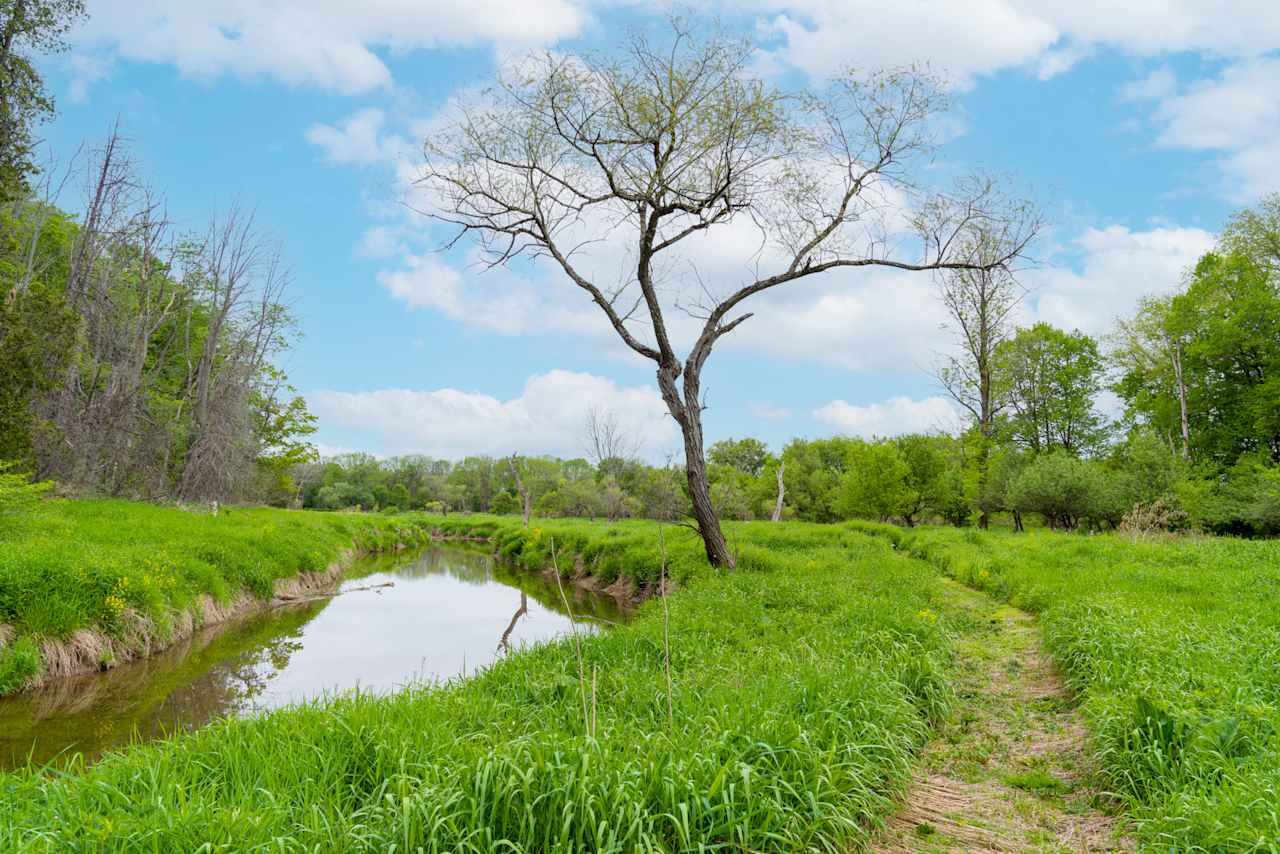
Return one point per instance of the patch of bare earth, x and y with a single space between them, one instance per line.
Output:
1010 770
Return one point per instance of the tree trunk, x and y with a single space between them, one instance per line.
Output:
1182 400
782 490
687 411
1017 521
704 512
524 493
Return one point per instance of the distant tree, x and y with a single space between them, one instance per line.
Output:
1254 233
1051 379
814 471
28 28
980 307
926 464
746 455
526 498
608 442
1149 350
1231 311
875 482
996 495
664 145
1062 488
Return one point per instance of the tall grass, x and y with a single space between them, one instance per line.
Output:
799 688
71 565
1175 647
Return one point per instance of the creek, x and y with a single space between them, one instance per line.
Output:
435 614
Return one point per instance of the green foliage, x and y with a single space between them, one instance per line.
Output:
19 661
28 29
1173 647
748 456
1244 502
1050 379
802 684
875 484
17 492
1063 489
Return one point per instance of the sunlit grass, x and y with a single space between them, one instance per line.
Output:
1175 647
802 685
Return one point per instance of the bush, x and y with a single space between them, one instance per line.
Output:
1246 502
1061 488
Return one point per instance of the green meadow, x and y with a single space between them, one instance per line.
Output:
777 706
1173 645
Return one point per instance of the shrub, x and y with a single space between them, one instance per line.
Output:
1061 488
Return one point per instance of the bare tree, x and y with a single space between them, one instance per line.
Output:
606 438
980 303
661 147
782 491
238 274
527 502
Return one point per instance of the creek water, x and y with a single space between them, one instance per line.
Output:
447 612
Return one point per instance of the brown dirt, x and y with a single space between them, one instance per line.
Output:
1011 769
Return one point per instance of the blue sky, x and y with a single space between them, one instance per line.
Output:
1139 129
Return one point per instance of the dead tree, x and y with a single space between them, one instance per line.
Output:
240 281
782 491
656 150
525 499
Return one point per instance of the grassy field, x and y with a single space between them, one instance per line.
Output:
111 566
1175 649
801 686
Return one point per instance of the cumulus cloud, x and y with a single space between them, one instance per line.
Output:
1118 266
546 418
981 37
358 139
327 44
1236 114
893 417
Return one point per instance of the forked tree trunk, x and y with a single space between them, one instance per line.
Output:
687 411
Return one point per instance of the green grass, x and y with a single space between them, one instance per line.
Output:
802 685
1175 649
71 565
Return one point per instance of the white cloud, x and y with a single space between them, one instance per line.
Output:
1160 83
1236 114
358 139
547 417
1118 266
328 44
894 417
984 36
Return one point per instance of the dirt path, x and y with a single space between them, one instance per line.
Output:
1010 770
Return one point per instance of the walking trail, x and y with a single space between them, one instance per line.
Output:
1010 769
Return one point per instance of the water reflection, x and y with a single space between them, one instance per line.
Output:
439 619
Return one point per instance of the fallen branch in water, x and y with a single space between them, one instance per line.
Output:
294 600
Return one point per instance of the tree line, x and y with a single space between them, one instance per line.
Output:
1196 444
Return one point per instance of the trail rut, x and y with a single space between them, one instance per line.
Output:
1010 769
